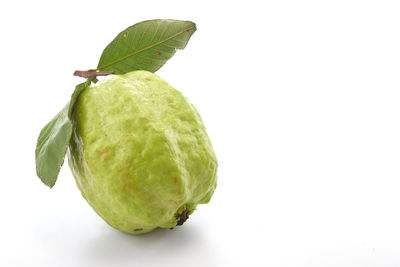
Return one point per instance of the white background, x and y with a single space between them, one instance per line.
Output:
301 102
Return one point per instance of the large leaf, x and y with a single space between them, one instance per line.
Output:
146 45
51 147
54 139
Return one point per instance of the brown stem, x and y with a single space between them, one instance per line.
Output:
183 217
91 74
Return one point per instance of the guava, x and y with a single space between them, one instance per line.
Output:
140 153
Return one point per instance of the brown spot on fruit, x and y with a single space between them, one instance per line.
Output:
175 203
138 229
175 179
129 188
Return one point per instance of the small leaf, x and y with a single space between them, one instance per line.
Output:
74 97
51 147
146 45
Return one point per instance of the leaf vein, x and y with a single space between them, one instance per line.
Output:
162 42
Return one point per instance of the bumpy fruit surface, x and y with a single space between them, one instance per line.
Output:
140 153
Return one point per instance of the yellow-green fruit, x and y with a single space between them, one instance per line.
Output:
140 153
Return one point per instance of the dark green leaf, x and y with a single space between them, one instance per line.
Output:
146 45
51 147
78 90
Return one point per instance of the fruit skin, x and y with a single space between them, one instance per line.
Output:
140 153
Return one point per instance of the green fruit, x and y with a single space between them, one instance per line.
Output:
140 153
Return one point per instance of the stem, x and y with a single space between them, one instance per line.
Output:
91 74
183 217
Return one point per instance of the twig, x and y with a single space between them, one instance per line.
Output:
91 74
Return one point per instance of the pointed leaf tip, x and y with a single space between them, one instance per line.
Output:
147 45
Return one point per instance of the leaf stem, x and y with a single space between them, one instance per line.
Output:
91 74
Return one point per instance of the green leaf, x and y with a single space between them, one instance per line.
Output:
51 147
146 45
78 90
54 139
